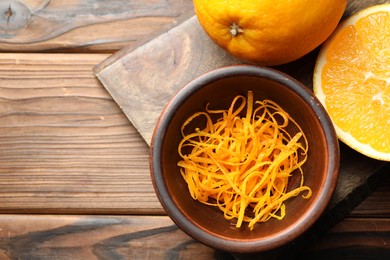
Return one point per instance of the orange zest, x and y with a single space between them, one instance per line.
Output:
242 163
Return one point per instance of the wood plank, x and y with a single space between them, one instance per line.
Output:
157 237
90 237
86 25
377 204
65 144
354 238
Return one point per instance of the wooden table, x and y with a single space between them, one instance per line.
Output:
74 172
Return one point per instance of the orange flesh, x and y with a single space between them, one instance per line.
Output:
356 80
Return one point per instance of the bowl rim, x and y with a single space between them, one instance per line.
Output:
251 245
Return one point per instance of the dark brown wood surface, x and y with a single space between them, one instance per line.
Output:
74 173
365 233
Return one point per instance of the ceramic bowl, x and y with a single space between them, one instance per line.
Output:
206 223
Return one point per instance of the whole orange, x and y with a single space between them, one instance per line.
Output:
269 32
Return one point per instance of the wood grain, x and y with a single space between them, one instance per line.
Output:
354 238
142 81
157 237
377 204
65 144
90 237
85 25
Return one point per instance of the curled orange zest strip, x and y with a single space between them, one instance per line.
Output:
242 164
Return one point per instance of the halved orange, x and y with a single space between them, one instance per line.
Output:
352 80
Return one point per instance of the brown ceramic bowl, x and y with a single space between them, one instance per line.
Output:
206 223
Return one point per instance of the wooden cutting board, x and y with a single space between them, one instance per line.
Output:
142 80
